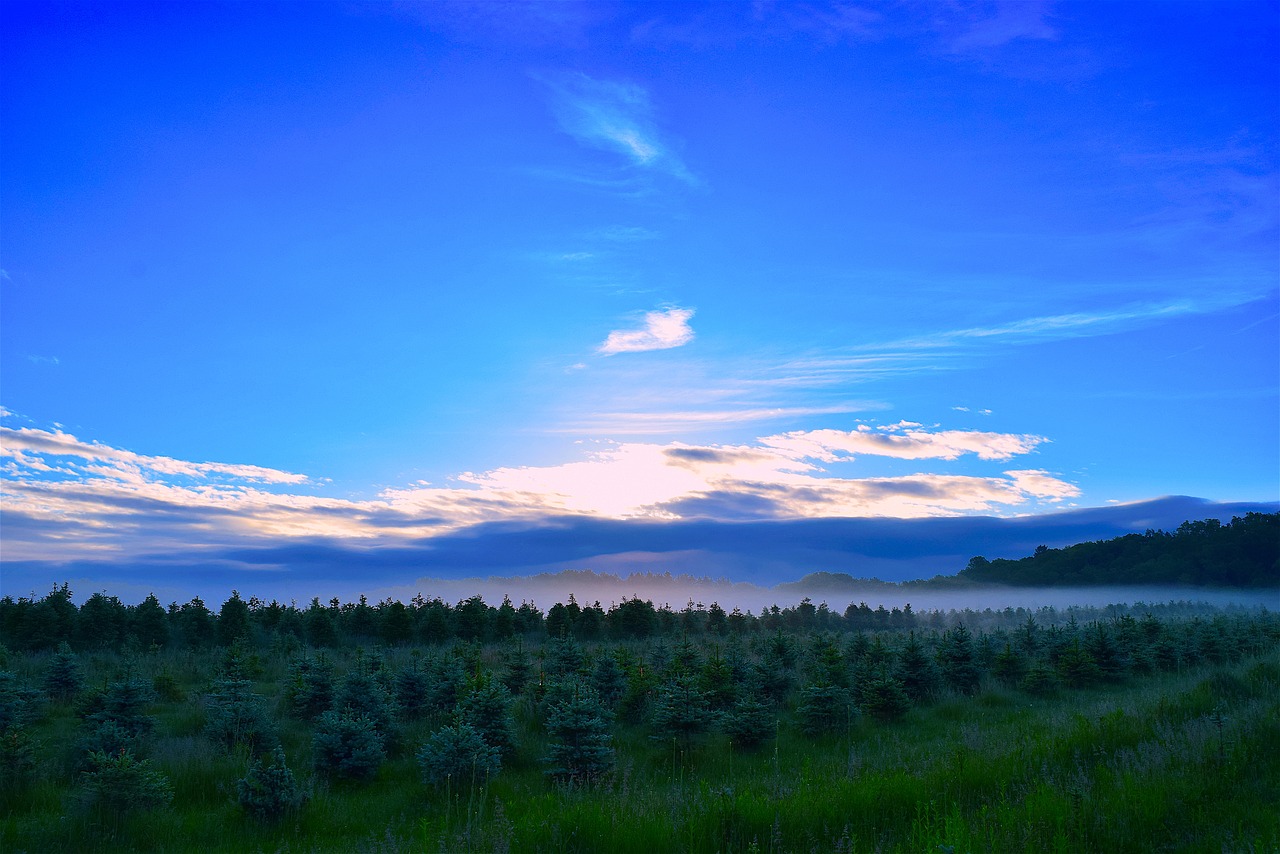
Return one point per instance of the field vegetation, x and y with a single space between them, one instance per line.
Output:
425 726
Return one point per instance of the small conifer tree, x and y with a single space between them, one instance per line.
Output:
749 722
347 745
458 754
581 748
884 699
64 678
486 706
269 790
118 783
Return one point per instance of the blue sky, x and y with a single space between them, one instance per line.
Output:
287 278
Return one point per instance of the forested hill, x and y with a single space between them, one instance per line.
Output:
1245 552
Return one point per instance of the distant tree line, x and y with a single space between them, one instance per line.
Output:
105 623
1245 552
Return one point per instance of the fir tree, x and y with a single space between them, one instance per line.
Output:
347 745
823 709
310 688
238 716
958 660
748 722
681 709
581 743
269 791
884 698
457 754
609 679
917 672
119 783
412 687
486 707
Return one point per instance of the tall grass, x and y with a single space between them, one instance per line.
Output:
1177 762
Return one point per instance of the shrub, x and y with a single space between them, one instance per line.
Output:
269 790
347 745
457 753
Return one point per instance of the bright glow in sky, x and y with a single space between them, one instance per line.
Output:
348 273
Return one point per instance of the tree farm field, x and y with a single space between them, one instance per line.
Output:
429 727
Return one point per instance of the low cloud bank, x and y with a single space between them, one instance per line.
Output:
730 562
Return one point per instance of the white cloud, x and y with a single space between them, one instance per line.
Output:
662 331
615 117
72 498
903 441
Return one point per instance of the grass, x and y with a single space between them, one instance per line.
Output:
1172 762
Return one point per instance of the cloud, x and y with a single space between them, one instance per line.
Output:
1001 23
662 331
904 442
615 117
66 498
683 421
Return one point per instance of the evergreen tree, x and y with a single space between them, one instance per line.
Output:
347 745
18 703
917 672
824 708
447 680
717 682
486 707
238 716
680 709
1076 667
958 660
581 743
310 688
119 783
64 677
269 791
749 722
609 680
456 755
1010 666
363 695
412 686
884 698
151 623
124 703
518 668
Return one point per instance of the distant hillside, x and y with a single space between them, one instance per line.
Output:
1244 552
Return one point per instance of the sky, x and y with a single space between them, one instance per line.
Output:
304 295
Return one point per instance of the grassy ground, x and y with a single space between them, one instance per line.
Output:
1187 762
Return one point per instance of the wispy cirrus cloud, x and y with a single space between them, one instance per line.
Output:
662 330
616 117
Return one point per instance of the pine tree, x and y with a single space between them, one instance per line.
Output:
238 716
119 783
347 745
958 661
363 695
681 709
310 688
486 706
609 679
455 755
884 698
824 708
749 722
1010 666
917 672
581 743
412 687
269 791
1076 667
